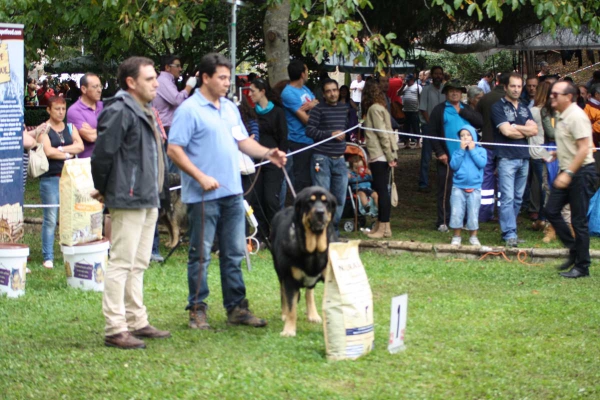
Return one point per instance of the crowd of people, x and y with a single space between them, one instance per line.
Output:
491 141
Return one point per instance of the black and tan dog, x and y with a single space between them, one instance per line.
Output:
300 237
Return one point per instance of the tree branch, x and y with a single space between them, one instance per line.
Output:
364 20
146 43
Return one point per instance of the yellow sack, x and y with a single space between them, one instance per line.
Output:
80 214
347 304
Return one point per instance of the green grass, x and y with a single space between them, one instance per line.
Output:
475 330
489 329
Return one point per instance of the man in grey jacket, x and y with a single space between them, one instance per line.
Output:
129 169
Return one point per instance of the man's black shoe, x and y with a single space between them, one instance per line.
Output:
574 274
569 262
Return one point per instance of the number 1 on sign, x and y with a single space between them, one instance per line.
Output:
398 316
398 323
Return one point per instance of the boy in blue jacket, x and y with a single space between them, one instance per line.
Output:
467 163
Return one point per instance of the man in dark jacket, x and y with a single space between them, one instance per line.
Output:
445 121
129 170
490 181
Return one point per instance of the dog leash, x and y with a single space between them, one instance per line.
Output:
289 182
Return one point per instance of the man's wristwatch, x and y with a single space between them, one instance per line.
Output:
569 172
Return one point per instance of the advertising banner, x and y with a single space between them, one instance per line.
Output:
12 91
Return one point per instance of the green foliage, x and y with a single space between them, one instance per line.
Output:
110 27
467 68
499 62
464 67
571 14
332 28
116 29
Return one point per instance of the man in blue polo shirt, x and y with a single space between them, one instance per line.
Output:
513 124
206 134
297 101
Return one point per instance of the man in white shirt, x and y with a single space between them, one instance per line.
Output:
484 83
356 88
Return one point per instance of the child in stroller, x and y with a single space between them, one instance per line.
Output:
359 180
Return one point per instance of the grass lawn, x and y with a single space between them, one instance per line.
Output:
476 329
486 329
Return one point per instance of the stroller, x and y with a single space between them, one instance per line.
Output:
354 212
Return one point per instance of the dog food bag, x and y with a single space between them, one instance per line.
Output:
347 304
80 214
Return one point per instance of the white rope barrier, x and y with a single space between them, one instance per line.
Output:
458 140
582 69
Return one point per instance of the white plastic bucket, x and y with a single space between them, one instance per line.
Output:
85 264
13 267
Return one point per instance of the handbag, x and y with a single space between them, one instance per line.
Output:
594 215
38 162
394 191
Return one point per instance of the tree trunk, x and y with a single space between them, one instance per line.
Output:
277 50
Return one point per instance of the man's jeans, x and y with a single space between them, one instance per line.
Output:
512 178
225 217
156 241
426 151
333 176
578 195
49 195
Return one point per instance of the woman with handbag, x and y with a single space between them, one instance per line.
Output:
61 142
382 148
273 134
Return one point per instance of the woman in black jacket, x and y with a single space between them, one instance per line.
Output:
272 128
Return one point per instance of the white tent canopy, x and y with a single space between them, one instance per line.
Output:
533 38
346 64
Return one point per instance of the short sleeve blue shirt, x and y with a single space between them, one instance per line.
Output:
504 112
292 99
209 137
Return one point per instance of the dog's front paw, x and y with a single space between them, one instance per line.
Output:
283 317
315 319
288 333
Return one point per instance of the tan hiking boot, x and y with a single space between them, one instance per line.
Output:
150 332
378 231
241 315
549 234
387 229
124 340
198 317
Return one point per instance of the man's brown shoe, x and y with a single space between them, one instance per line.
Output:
198 317
150 332
241 315
124 340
